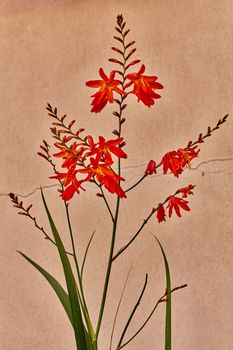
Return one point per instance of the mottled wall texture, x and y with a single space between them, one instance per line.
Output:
49 49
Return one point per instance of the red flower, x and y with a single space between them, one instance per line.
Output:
186 155
171 160
186 190
144 86
105 176
161 213
177 203
177 160
105 148
70 181
106 87
70 154
151 168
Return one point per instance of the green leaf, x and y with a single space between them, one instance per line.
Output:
61 294
168 326
79 328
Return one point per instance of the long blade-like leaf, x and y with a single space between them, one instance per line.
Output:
168 326
61 294
78 325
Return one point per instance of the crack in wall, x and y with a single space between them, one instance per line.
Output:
220 171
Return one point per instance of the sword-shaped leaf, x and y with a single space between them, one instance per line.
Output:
168 326
60 292
79 328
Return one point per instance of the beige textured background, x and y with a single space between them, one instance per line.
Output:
48 50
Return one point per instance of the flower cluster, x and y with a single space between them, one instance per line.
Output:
143 88
83 159
175 161
92 159
175 203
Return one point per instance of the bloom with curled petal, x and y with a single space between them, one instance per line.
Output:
177 160
176 203
105 176
71 154
161 213
106 87
151 168
144 86
105 148
172 161
69 181
186 190
187 154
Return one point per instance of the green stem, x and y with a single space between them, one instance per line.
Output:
137 183
108 269
106 202
115 218
134 237
161 299
132 313
145 221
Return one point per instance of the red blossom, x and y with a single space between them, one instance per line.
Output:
69 181
176 203
144 86
151 168
187 154
177 160
105 148
106 87
161 213
186 190
105 176
71 154
171 160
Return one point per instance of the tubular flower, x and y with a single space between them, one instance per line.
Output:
186 155
144 86
186 190
177 203
171 160
105 148
151 168
70 154
106 87
69 181
177 160
105 176
161 213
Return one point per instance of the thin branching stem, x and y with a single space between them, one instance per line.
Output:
118 308
161 299
133 312
85 254
121 250
106 202
137 183
115 218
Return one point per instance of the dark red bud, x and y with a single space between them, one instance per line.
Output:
117 38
